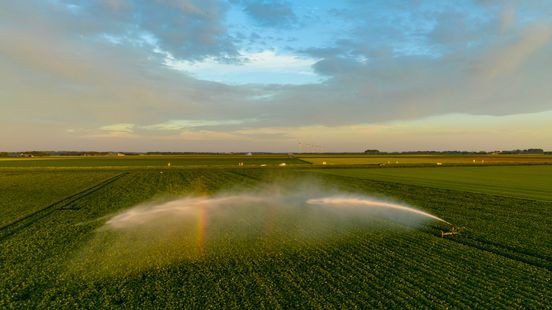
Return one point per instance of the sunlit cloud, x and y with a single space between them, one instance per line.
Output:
265 67
121 127
183 124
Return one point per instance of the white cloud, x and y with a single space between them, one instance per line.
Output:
265 67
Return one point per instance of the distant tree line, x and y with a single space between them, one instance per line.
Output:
526 151
204 153
369 152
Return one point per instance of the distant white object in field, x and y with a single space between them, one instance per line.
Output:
282 164
249 154
263 165
323 163
169 164
474 160
439 164
240 164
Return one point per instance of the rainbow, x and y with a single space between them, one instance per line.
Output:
201 229
352 202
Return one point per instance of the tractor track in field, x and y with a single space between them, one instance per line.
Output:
505 251
11 228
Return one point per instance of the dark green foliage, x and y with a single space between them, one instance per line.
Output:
502 260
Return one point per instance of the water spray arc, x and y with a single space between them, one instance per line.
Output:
352 202
237 223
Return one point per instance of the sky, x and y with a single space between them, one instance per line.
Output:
245 75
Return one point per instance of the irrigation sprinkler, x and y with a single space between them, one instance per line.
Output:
453 231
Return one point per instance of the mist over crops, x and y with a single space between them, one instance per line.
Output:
260 221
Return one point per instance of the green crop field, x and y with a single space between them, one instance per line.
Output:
61 246
141 161
25 193
531 182
275 154
396 160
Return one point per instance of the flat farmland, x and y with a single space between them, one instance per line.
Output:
68 244
396 160
275 154
531 182
148 161
25 193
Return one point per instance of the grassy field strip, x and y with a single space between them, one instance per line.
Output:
148 168
409 160
401 160
529 182
149 157
152 161
423 155
11 228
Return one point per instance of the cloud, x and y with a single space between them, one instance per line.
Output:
184 124
268 67
121 127
173 66
512 55
456 29
333 66
270 13
187 29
